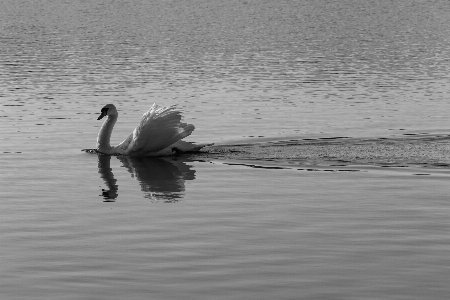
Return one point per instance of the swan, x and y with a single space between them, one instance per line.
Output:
158 134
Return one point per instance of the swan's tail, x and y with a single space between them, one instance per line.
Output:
197 147
183 146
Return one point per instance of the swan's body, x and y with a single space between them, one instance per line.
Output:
158 134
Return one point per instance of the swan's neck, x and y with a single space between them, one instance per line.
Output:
104 136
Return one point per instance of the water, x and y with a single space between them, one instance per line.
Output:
81 226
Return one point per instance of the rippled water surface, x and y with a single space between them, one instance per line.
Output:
75 225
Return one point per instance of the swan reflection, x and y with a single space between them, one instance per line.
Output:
104 168
161 179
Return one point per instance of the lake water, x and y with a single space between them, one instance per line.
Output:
80 226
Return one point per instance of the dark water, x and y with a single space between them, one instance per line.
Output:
248 68
80 226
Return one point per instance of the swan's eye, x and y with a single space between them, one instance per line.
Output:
105 110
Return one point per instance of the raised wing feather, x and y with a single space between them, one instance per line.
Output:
159 128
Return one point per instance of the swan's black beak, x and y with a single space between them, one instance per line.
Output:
104 113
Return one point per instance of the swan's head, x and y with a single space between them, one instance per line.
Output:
108 110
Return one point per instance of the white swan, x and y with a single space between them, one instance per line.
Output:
158 134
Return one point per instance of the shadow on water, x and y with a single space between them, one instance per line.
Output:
161 179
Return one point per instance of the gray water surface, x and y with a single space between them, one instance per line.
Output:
75 225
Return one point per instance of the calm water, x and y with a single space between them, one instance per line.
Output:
80 226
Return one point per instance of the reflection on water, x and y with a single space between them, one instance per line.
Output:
104 168
161 179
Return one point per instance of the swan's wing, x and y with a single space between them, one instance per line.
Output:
159 128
